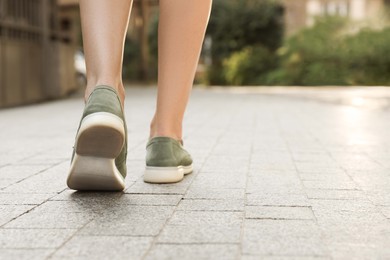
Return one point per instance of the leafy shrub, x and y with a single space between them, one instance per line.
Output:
367 57
325 55
235 25
312 56
249 66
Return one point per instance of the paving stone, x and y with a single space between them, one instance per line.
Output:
270 212
34 238
110 198
24 198
50 181
270 166
331 185
196 233
286 257
20 172
87 197
9 212
104 247
359 251
325 177
141 187
4 183
380 198
335 194
343 205
149 200
129 221
316 164
292 237
211 205
210 193
267 184
344 234
57 214
188 252
219 181
208 218
322 171
37 219
277 199
386 211
27 254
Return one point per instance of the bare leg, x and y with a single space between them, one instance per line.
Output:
182 27
104 25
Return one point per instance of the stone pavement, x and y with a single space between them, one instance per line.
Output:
279 174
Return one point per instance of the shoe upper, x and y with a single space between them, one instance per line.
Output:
164 151
105 99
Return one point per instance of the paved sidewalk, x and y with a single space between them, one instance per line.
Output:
279 174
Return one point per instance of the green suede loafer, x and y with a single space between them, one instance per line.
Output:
166 160
100 150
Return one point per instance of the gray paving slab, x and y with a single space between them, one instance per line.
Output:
24 198
34 238
200 234
95 247
211 205
213 218
189 252
278 174
10 212
129 221
285 212
25 254
277 199
292 237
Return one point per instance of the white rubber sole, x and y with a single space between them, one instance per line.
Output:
99 141
166 174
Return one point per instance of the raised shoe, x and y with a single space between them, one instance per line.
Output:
100 150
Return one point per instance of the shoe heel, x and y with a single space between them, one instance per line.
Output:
99 141
94 173
101 134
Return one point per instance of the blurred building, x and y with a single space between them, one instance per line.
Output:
302 13
38 43
37 46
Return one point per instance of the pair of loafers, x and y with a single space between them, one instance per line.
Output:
100 150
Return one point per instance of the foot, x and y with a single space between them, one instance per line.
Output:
100 150
166 160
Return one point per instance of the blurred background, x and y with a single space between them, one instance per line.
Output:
248 43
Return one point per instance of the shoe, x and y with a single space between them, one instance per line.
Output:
100 150
166 160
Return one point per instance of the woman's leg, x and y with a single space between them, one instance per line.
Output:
181 32
104 25
99 154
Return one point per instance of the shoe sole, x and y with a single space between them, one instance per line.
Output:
166 174
99 141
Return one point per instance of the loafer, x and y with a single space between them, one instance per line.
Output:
166 160
100 151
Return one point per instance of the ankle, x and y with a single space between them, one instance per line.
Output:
117 86
154 132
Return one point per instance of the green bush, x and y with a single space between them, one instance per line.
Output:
367 57
325 55
235 25
249 66
312 56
